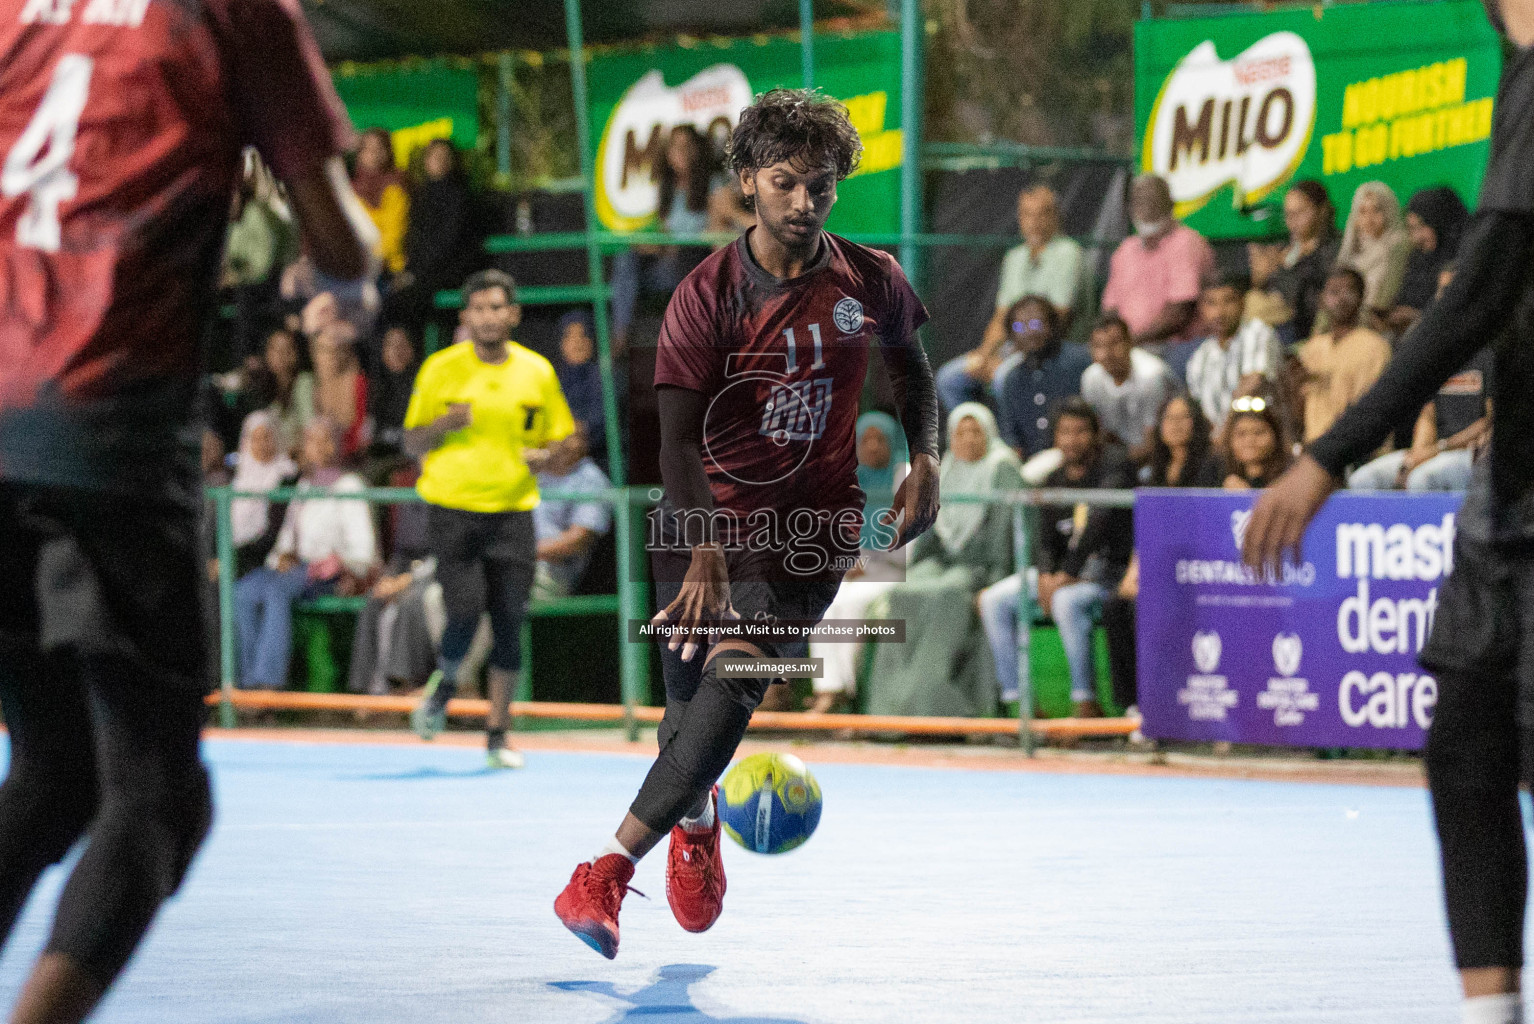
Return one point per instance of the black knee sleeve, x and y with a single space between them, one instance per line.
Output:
700 749
42 814
1472 760
140 848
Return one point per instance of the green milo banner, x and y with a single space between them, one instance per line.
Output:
1230 109
637 96
416 103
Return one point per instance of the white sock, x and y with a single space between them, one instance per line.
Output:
613 846
703 822
1506 1008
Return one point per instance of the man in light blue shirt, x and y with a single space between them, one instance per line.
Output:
1047 264
567 530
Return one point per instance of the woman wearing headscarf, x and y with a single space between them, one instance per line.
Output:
882 464
580 378
1435 220
944 666
1375 244
261 465
381 188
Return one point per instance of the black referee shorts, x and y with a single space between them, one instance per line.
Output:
485 563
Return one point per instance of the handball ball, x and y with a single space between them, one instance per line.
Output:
769 803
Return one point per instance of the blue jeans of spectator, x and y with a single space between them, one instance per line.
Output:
1447 471
263 613
1073 609
633 273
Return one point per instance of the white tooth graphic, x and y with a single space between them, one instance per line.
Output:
1246 120
634 139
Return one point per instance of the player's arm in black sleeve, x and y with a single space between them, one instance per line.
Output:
1491 272
681 453
915 390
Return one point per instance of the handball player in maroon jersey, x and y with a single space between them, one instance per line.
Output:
761 363
122 124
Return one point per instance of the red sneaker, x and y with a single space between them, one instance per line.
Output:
695 875
589 905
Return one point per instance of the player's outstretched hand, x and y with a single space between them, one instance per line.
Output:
1282 513
916 501
704 599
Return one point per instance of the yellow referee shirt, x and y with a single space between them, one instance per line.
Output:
514 405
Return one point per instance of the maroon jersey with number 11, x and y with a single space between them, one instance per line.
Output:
782 364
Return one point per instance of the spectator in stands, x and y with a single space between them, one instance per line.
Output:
327 545
1257 442
291 389
1451 429
1047 264
1043 370
1127 386
1287 280
1080 554
1375 244
882 465
381 188
261 465
389 398
935 671
1183 456
214 472
1232 350
580 378
440 239
568 529
395 642
262 240
1339 365
1154 276
1435 220
340 386
685 179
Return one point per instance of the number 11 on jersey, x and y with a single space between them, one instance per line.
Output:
793 360
38 165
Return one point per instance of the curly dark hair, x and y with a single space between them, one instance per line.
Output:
794 124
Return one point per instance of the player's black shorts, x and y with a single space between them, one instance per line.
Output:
1485 616
478 551
102 575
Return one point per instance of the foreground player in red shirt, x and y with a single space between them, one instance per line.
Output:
761 363
121 129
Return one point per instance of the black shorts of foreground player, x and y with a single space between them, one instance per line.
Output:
761 364
1482 646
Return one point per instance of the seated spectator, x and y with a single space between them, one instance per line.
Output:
340 386
882 465
395 643
1080 554
1232 350
686 177
1255 438
1339 365
580 378
1183 456
1154 275
567 530
1043 370
262 240
440 247
381 188
389 397
1375 244
214 472
327 545
1048 264
261 465
1287 280
936 671
286 390
1182 453
1435 220
1127 386
1453 426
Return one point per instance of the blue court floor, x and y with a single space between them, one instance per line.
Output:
374 883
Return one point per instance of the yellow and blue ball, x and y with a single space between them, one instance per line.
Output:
769 803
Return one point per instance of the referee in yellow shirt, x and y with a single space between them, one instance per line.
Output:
486 414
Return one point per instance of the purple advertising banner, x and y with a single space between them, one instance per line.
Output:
1324 656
